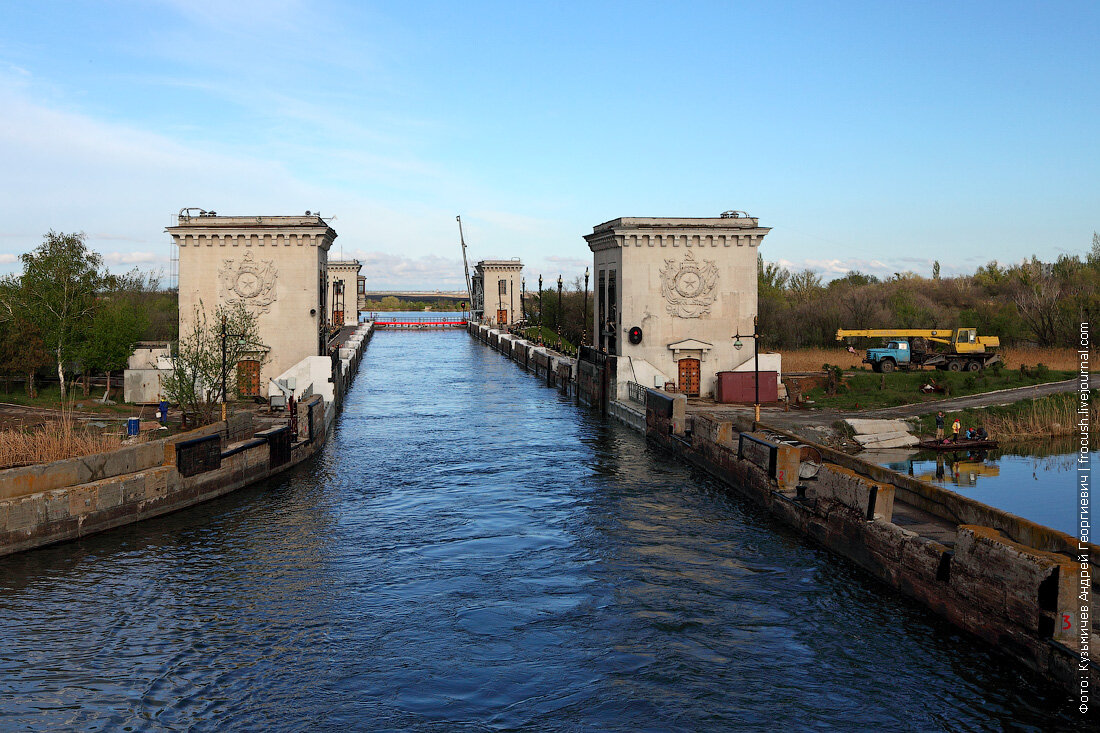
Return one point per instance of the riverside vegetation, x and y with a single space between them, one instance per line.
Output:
1043 417
861 390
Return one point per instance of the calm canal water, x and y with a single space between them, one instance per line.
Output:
1036 481
473 552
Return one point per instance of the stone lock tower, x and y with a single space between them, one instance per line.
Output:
273 265
671 293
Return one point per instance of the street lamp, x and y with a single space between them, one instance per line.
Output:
755 364
559 313
523 301
540 310
584 330
225 337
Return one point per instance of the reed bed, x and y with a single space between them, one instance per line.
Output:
1064 360
1049 417
811 360
53 442
1046 417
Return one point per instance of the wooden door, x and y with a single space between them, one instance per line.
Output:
248 378
338 319
502 317
689 377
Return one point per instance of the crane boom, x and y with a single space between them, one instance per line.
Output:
465 264
961 340
939 335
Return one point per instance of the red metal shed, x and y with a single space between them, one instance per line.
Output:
740 387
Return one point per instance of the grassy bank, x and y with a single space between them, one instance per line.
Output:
863 390
49 396
1044 417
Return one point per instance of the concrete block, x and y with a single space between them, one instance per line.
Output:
57 505
679 414
921 557
874 442
26 513
875 427
117 463
866 440
156 483
82 499
853 491
108 494
133 489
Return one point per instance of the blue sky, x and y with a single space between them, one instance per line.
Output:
875 136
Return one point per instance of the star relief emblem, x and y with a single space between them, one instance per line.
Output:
689 286
250 283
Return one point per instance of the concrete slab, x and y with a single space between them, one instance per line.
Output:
906 442
875 427
867 440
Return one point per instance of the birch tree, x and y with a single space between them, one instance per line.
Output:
57 292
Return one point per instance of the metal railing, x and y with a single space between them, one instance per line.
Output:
636 393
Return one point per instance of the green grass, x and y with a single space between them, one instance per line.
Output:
860 390
49 396
1040 417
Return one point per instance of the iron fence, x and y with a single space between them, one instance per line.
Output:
636 393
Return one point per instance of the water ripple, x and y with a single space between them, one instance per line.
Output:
472 552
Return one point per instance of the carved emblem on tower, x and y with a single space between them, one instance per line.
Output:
250 283
689 287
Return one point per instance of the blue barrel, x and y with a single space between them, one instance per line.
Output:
133 424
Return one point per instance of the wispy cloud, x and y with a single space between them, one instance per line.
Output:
386 271
134 258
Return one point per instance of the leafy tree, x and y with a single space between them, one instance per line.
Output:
57 292
771 278
198 369
115 328
803 284
22 352
936 270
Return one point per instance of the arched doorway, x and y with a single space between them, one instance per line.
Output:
689 377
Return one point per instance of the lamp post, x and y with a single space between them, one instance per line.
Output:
559 313
540 310
523 301
755 365
584 329
225 338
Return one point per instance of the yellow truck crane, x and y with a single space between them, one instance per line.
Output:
959 350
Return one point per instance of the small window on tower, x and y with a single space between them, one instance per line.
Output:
503 287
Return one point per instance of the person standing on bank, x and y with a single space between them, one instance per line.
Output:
939 425
955 427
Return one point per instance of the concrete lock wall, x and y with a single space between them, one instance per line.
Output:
75 497
1003 578
54 501
1012 594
